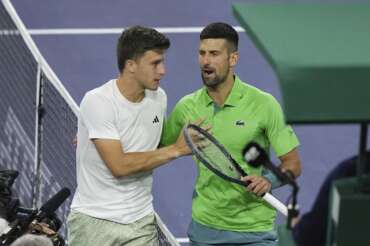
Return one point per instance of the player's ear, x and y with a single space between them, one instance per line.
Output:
130 65
233 59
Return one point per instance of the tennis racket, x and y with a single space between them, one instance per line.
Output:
215 157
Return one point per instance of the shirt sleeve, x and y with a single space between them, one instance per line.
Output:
280 135
173 125
97 113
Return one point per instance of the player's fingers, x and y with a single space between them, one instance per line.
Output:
252 184
198 121
258 183
261 188
249 178
74 141
246 181
195 135
201 144
207 128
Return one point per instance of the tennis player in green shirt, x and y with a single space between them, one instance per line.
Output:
224 213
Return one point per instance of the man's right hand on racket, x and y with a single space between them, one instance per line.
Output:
181 146
258 185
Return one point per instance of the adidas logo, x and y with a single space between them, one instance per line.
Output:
239 123
156 120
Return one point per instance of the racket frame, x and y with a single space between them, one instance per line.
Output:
195 151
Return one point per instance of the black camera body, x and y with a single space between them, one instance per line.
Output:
8 203
24 220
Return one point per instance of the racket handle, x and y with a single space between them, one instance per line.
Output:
276 203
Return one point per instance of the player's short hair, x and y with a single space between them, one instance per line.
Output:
136 40
223 31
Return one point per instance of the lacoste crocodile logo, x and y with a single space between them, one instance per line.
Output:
240 123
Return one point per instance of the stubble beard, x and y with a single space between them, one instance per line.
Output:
216 81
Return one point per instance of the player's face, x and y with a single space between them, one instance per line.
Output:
150 69
214 61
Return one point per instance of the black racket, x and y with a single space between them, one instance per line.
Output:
217 159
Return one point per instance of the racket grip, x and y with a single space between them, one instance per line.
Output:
276 203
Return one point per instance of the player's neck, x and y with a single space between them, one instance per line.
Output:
131 90
220 92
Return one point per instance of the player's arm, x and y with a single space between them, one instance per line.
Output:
98 116
282 138
291 162
122 164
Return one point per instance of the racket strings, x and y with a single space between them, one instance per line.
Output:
215 157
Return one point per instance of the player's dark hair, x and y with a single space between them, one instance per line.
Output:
136 40
223 31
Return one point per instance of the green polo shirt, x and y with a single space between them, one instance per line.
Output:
248 114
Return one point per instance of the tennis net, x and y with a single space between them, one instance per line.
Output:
38 121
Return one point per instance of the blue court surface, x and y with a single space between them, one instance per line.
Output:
83 60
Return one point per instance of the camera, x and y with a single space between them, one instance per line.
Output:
21 220
8 203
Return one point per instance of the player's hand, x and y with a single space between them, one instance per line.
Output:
74 141
181 146
257 184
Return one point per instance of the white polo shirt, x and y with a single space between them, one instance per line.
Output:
105 113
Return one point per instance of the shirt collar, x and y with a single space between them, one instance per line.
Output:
235 95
